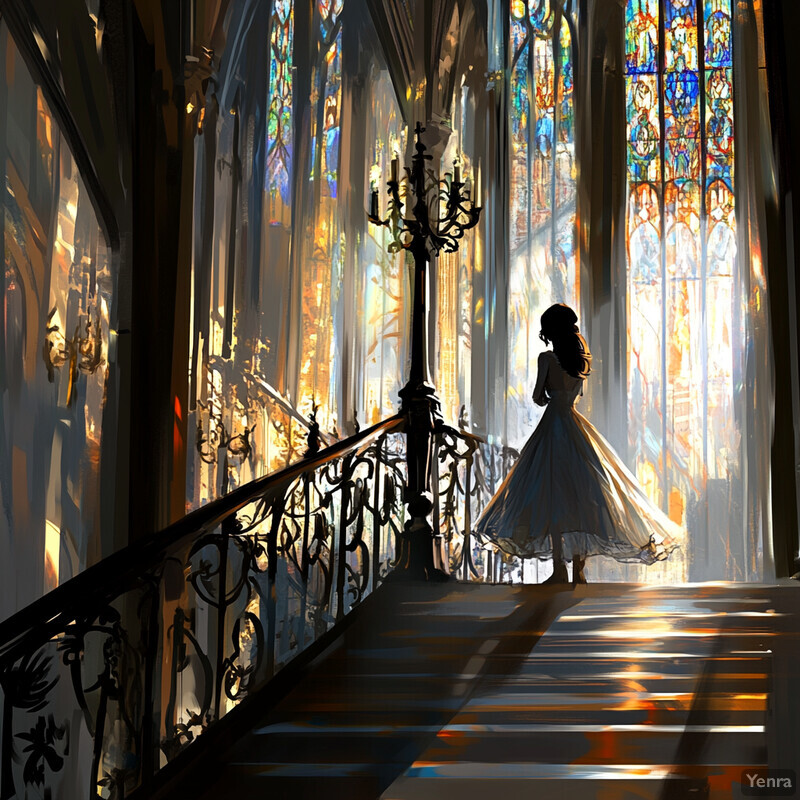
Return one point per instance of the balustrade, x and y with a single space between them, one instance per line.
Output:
110 677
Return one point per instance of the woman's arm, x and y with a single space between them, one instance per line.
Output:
539 395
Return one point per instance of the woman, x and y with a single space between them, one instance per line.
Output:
569 496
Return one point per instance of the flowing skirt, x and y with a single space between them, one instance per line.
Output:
568 481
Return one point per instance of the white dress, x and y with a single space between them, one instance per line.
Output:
568 481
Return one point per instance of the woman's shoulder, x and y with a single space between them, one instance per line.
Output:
548 358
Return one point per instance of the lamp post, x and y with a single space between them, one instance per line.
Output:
442 211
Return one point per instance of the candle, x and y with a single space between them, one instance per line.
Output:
477 198
394 169
457 172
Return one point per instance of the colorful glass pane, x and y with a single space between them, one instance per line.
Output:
279 124
641 36
331 126
719 124
682 218
543 150
565 272
718 50
645 310
721 245
541 16
682 263
680 35
684 386
520 117
681 125
644 163
520 198
329 11
566 127
684 352
644 237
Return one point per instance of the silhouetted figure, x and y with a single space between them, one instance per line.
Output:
570 496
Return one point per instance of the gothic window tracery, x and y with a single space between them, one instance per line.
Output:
685 337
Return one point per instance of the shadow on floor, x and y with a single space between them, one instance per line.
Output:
375 700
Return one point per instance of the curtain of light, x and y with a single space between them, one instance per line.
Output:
382 280
456 273
297 308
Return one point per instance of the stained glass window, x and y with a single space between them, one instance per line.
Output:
683 348
542 192
329 74
279 120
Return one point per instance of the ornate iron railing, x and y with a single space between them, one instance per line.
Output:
111 676
467 471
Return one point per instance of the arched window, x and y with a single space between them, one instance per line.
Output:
686 327
541 192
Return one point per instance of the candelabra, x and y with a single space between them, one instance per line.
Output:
442 211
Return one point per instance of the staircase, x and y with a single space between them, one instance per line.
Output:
469 691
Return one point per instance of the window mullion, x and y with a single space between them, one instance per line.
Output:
661 67
701 79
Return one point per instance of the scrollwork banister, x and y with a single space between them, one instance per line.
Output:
467 470
157 643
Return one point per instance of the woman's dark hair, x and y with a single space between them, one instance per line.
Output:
559 326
